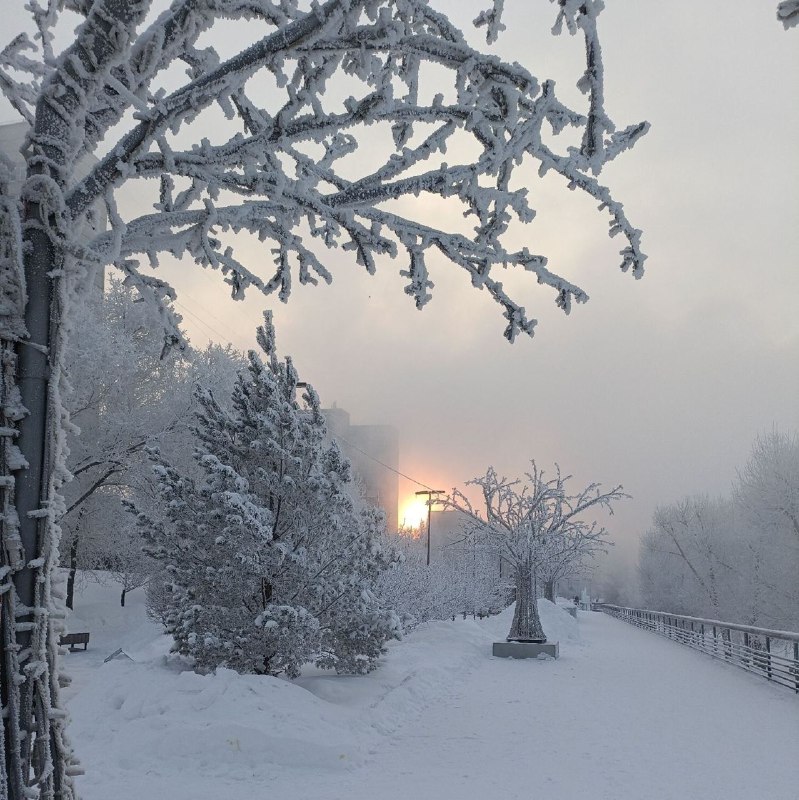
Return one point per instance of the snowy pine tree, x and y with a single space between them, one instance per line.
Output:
270 562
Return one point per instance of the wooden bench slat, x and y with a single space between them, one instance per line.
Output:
73 639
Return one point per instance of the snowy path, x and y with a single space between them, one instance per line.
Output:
622 715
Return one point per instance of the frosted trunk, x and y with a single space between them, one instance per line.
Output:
526 625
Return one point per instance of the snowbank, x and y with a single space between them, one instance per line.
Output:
440 718
146 723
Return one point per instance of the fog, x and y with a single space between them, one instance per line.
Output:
659 384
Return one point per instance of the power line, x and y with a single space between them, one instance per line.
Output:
340 438
231 333
378 461
201 321
412 480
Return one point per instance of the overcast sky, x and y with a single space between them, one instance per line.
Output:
659 384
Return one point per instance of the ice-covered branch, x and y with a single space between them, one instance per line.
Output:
189 100
502 106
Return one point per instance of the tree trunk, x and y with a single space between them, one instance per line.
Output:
549 590
526 626
32 494
73 568
122 598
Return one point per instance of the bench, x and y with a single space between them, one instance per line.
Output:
74 639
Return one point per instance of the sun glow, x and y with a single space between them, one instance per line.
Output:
414 513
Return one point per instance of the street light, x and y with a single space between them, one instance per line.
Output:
430 501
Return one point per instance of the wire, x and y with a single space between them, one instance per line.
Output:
231 334
378 461
201 321
340 438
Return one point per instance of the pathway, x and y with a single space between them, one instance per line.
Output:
623 715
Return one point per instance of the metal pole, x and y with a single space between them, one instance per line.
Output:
430 501
429 513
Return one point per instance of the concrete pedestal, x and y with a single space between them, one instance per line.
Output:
525 649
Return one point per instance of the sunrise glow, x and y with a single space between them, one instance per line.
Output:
414 512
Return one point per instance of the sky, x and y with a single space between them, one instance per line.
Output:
659 384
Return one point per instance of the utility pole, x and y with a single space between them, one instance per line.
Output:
430 501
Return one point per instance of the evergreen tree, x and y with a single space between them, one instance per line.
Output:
270 561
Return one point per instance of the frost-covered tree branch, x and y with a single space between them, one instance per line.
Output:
295 155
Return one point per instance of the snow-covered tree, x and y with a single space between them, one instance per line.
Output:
529 521
284 170
733 558
464 578
125 394
766 499
685 555
566 555
269 561
768 486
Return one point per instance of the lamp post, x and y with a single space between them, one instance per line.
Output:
430 501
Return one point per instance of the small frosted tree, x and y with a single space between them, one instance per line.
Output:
269 561
524 519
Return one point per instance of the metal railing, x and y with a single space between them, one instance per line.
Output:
773 655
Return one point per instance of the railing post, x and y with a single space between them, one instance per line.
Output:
768 657
796 666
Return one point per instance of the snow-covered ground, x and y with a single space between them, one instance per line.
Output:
622 715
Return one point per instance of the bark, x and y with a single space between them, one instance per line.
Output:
526 626
549 590
36 758
73 568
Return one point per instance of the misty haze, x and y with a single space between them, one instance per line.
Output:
399 400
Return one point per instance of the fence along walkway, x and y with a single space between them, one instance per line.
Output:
773 655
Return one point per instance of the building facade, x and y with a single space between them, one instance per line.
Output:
373 451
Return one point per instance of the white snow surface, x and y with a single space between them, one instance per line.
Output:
622 715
